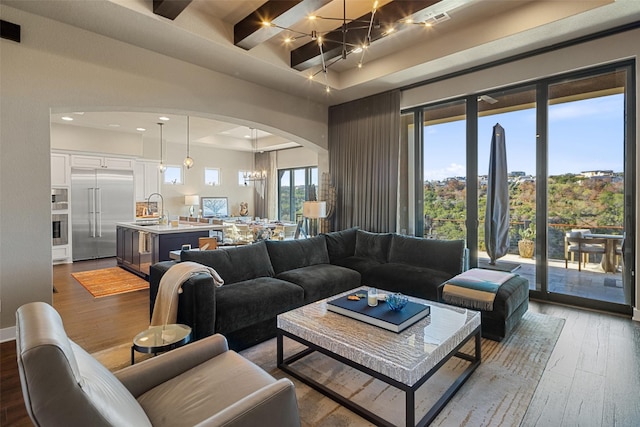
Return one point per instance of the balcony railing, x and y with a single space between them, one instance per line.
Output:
438 228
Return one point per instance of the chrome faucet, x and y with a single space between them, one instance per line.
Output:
161 212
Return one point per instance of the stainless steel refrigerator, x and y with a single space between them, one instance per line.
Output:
99 199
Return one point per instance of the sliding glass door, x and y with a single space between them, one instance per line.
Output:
444 173
586 186
570 143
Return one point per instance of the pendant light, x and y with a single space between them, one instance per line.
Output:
188 161
161 166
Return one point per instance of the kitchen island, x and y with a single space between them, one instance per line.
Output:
140 245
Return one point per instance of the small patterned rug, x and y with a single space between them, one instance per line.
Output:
110 281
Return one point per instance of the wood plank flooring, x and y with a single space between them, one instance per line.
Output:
592 378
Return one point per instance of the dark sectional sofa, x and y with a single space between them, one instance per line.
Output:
268 278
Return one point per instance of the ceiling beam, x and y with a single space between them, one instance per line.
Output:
308 55
169 8
250 32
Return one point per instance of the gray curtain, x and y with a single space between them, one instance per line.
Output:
364 142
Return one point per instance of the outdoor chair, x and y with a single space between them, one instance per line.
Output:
203 383
576 243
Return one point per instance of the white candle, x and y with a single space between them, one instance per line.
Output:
372 297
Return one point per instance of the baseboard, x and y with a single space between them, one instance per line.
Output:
8 334
636 315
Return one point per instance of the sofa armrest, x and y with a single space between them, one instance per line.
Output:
152 372
272 406
156 271
196 303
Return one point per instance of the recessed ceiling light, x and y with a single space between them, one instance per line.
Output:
247 136
140 129
79 113
114 125
67 118
164 118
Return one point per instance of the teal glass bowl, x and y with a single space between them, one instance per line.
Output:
397 302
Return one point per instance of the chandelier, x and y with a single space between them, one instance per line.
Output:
254 175
346 47
336 44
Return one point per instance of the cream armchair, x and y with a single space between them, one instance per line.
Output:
202 383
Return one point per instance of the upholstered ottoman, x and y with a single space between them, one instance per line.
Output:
510 303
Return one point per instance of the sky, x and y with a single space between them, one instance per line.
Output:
583 135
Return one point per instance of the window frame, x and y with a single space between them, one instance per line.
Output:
177 182
213 184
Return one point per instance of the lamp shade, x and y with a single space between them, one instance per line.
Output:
312 209
192 200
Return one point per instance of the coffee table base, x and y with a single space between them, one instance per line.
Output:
285 365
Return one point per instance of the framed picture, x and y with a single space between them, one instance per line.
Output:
214 207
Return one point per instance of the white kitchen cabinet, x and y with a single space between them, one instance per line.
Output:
147 178
59 170
61 254
82 161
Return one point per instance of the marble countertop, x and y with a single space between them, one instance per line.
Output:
168 229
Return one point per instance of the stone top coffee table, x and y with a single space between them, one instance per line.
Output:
405 360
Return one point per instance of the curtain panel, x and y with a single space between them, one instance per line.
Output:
364 143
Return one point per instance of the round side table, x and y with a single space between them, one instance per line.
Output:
157 339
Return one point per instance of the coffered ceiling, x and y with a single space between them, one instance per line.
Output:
229 36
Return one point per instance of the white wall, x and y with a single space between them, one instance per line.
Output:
78 138
296 158
61 68
602 51
229 162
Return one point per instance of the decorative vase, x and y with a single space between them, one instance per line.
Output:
526 248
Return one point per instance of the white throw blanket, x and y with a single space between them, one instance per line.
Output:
165 310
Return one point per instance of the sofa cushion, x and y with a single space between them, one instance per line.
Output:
322 280
443 255
235 264
289 254
249 302
415 281
203 391
372 245
341 244
359 264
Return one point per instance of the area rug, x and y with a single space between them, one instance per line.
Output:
109 281
498 393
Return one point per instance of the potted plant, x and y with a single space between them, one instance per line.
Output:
526 245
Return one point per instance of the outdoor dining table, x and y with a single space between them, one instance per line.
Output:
608 263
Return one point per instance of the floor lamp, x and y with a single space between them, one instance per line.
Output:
313 210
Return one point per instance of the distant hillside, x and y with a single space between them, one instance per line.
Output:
573 202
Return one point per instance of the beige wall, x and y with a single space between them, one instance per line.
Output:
602 51
229 162
78 138
61 68
296 158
